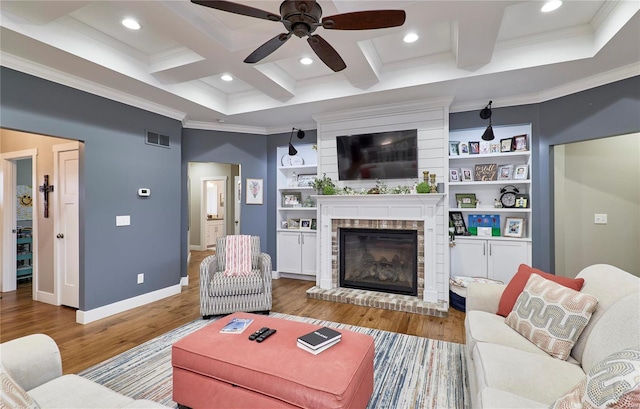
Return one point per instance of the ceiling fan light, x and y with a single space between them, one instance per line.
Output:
550 6
306 61
131 24
410 38
226 77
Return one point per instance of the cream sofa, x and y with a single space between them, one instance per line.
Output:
34 363
507 371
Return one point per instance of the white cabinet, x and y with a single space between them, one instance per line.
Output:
497 259
214 229
297 252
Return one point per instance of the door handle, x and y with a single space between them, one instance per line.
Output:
302 239
60 236
14 231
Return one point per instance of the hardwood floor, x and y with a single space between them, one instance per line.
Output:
82 346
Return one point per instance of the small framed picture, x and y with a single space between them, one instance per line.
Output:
464 148
314 224
522 200
495 148
466 200
293 199
254 191
305 224
474 148
486 172
459 227
521 172
304 180
505 172
485 147
284 224
520 142
293 224
506 145
514 227
453 148
454 176
466 175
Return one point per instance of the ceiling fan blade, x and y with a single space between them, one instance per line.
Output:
365 20
327 54
267 48
236 8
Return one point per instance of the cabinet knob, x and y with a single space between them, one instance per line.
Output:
60 236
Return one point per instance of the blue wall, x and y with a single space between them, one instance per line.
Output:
114 163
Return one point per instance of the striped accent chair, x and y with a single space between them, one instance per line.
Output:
221 294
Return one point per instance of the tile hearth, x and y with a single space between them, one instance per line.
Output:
394 302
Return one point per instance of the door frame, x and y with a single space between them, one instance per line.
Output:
203 206
9 219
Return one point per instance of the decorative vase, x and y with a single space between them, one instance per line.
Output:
434 186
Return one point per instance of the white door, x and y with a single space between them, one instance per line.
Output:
309 251
67 242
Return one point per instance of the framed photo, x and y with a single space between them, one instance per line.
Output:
305 224
521 172
522 200
314 224
514 227
292 199
460 228
285 224
495 148
485 147
474 148
293 224
304 180
520 142
454 175
505 172
466 200
464 148
506 145
486 172
466 175
254 191
454 148
222 199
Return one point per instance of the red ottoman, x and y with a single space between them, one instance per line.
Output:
214 370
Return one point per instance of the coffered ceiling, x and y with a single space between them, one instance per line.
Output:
470 51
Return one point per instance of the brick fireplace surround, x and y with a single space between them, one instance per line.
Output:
395 212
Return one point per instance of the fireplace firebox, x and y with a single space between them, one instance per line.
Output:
379 260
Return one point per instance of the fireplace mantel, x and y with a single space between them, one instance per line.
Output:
417 207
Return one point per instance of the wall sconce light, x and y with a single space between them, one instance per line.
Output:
300 134
484 114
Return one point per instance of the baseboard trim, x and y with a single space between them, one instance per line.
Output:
297 276
85 317
184 281
47 298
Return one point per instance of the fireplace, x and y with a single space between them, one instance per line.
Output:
379 260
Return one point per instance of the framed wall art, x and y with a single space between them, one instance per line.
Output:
514 227
521 172
255 191
466 200
486 172
292 199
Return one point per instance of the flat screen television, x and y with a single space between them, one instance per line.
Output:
381 155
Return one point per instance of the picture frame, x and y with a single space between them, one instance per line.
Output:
222 199
486 172
314 224
292 199
474 148
255 191
305 224
459 226
304 180
284 224
293 224
522 201
520 143
514 227
505 172
466 175
506 145
454 148
495 148
454 175
464 148
521 172
466 200
485 147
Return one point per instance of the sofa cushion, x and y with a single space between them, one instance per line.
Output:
222 285
491 398
519 280
551 316
75 392
12 396
613 382
540 378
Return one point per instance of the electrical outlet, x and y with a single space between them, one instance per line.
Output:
140 278
600 218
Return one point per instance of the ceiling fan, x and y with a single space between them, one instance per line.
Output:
302 18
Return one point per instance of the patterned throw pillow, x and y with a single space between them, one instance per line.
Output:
12 396
551 316
613 383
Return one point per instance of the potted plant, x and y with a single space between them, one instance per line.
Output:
323 185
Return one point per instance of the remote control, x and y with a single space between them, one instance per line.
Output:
266 335
258 333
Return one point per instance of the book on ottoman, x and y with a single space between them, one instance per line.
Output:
318 350
319 338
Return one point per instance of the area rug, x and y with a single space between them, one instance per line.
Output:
409 371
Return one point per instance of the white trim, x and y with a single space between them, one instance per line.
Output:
184 281
85 317
45 297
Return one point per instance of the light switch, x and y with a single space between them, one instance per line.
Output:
600 218
123 220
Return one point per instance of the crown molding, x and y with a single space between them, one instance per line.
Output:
224 127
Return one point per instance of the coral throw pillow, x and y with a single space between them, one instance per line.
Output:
517 283
551 316
612 383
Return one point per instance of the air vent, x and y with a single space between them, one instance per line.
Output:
154 138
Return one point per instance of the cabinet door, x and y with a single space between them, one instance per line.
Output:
210 234
289 248
505 257
308 254
469 258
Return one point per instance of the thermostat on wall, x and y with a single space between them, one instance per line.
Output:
144 192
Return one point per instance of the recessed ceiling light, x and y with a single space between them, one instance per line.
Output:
131 24
551 5
306 61
410 38
226 77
